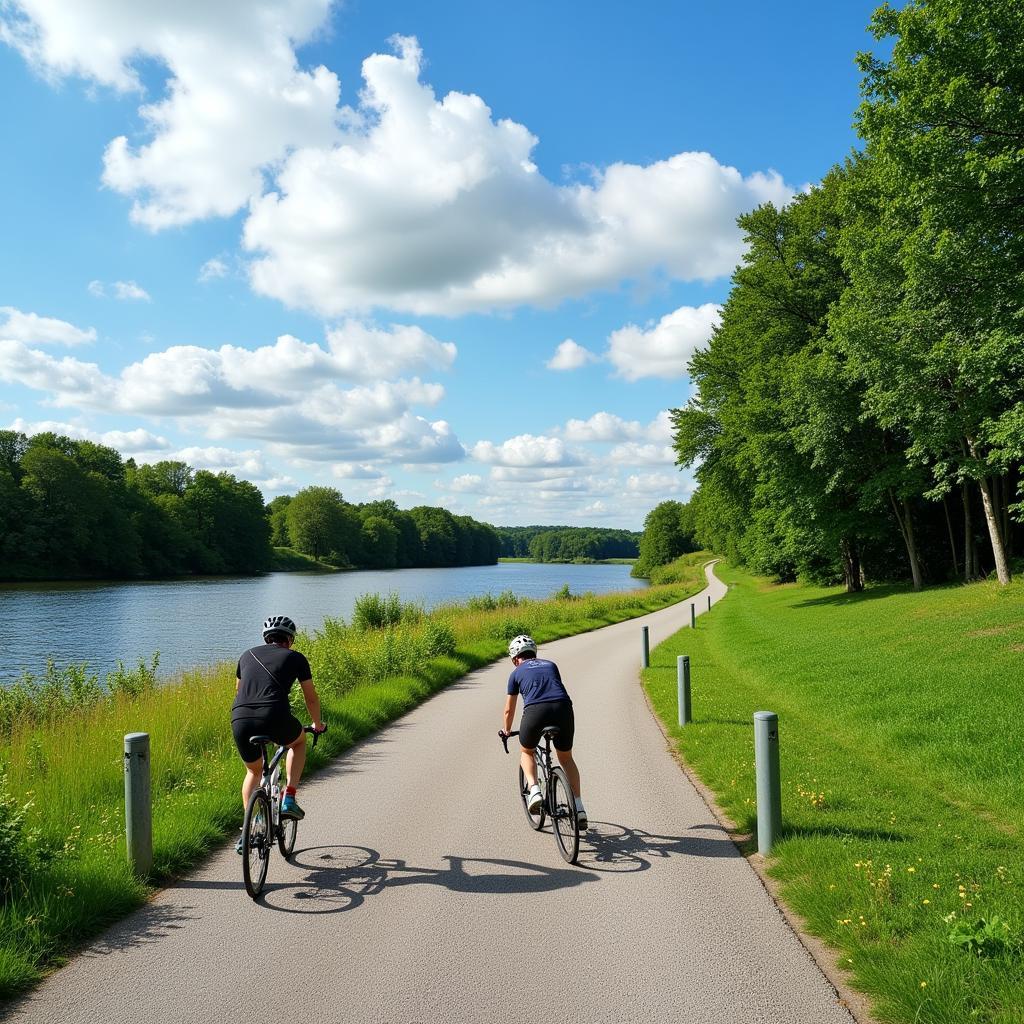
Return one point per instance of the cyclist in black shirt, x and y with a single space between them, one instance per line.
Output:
263 681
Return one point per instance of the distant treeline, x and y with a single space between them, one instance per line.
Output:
669 532
76 509
567 543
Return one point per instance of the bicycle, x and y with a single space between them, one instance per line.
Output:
263 823
559 803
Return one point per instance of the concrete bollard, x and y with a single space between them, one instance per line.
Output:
693 616
769 784
138 811
645 647
683 688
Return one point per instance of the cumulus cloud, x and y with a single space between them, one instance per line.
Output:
526 450
570 356
33 329
127 442
366 352
633 454
653 483
236 99
603 426
356 471
465 483
662 349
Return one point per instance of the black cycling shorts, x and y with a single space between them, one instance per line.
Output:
537 717
281 726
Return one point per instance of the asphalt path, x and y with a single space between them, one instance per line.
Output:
418 893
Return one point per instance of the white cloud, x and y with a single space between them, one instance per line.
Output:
213 269
236 100
434 207
603 426
662 349
33 329
526 450
365 352
570 356
356 471
467 483
127 442
660 428
633 454
654 483
125 291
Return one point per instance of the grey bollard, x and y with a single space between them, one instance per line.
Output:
709 602
769 784
138 812
645 650
683 688
693 616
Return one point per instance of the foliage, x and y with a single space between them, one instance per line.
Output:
375 612
668 533
566 543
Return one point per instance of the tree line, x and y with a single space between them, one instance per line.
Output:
669 532
860 407
567 543
76 509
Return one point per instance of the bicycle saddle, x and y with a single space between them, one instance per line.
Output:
550 731
260 741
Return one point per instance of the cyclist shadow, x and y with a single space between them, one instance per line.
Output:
609 847
342 878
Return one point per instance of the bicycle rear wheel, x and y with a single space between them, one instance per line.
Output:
564 822
536 820
257 842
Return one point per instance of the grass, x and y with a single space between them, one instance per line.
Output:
572 561
290 560
61 787
902 776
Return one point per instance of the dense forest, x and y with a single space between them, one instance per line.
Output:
76 509
859 412
668 533
567 543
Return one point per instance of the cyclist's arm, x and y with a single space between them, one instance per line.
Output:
238 685
510 711
312 703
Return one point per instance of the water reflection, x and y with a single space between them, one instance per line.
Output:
196 621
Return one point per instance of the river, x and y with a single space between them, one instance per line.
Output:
197 621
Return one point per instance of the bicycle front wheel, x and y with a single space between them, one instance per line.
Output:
286 833
536 820
257 842
565 824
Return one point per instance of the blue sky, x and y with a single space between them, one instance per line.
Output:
450 253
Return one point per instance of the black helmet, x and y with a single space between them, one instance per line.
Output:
279 624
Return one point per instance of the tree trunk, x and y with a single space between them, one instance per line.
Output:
907 530
995 534
852 574
952 539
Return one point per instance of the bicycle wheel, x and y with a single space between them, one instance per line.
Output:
536 820
564 823
257 842
286 833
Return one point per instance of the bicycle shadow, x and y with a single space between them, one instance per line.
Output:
342 878
609 847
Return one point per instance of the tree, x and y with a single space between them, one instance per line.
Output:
380 539
316 521
278 512
664 537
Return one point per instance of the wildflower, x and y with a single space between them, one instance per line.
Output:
911 870
924 984
926 902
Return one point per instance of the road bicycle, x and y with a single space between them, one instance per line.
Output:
264 824
559 803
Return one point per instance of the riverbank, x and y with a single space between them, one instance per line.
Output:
902 789
574 561
61 801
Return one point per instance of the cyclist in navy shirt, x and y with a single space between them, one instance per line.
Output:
545 702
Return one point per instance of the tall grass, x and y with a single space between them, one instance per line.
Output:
903 776
61 788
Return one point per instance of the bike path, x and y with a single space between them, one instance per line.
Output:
418 893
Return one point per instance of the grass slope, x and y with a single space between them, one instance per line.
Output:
902 776
63 875
290 560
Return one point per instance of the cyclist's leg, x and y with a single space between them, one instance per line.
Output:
529 765
566 722
565 759
530 724
250 754
295 760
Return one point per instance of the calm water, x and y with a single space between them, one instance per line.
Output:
202 620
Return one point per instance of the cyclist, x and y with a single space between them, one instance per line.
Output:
263 681
545 702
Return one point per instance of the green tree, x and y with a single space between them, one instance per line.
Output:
380 539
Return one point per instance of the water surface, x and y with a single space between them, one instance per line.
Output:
197 621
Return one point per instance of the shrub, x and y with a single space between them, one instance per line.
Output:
505 629
482 603
437 639
133 682
375 612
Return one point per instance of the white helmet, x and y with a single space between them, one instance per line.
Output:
521 645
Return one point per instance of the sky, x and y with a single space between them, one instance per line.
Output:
453 253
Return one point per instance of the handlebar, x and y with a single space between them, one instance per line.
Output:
505 737
316 734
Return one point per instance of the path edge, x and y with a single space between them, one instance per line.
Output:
855 1002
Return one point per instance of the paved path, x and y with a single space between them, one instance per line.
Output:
418 894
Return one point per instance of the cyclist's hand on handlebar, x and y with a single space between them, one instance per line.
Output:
319 727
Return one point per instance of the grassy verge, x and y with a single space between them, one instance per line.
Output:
290 560
903 776
63 875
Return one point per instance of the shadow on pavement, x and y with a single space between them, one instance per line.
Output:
340 878
611 847
148 924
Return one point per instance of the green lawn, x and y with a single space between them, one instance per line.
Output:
902 775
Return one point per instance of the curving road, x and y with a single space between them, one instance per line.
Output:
418 894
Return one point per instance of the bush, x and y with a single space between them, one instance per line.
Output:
18 847
437 639
375 612
505 629
133 682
